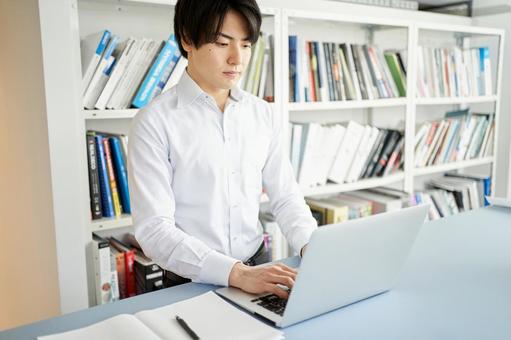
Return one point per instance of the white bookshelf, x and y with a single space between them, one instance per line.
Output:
64 22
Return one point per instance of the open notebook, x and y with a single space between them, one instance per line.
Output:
208 315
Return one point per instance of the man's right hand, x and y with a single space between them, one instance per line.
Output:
263 279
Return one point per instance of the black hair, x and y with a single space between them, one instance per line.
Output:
198 22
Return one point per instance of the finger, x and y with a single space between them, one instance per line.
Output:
272 288
283 280
286 268
285 271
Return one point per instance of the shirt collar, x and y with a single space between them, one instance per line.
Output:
188 91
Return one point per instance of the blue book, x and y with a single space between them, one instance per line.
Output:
157 70
484 56
294 94
104 184
167 73
120 173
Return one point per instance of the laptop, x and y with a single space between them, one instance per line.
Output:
364 257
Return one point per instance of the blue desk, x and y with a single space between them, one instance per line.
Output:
455 285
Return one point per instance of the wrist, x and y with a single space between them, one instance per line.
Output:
236 275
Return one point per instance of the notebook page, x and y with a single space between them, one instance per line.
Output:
124 326
210 317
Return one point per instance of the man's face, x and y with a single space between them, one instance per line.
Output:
219 65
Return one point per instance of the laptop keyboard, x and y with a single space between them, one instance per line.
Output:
272 302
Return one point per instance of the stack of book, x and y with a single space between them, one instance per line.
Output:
122 270
455 193
322 71
258 77
121 74
460 136
108 180
453 72
357 204
343 153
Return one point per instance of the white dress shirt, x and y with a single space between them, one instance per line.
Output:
196 176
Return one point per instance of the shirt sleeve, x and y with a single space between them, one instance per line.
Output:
286 199
153 205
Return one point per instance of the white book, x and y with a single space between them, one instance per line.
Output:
119 69
115 100
320 154
92 48
474 54
322 71
100 77
295 148
336 134
420 135
485 137
348 53
144 66
470 124
368 140
438 132
306 174
477 137
102 270
177 73
346 152
208 315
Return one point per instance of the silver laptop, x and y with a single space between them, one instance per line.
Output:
344 263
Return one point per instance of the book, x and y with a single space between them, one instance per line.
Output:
125 58
104 182
119 164
330 210
120 268
380 202
102 72
208 314
146 90
129 259
111 177
106 291
94 186
92 48
148 275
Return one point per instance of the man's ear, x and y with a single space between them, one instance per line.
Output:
185 42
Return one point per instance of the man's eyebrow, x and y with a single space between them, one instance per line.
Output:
231 38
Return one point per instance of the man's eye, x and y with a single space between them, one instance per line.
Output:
247 46
221 43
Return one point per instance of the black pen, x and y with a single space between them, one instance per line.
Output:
187 328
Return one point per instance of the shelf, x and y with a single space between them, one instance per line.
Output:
451 166
359 185
347 104
455 100
111 223
109 114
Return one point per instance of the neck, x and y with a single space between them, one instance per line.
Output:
219 95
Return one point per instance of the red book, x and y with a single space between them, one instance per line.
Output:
129 265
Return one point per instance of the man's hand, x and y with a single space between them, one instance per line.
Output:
263 279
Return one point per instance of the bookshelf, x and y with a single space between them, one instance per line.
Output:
340 22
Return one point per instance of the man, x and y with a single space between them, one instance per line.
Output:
200 153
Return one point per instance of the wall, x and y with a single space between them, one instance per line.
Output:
29 289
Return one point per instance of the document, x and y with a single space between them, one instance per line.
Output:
499 202
208 315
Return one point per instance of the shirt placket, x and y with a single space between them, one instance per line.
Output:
232 146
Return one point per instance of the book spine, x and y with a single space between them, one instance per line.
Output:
111 177
94 187
106 194
153 76
294 93
129 258
121 174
